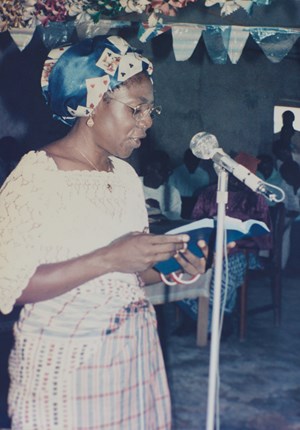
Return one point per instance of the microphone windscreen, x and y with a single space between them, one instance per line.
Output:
203 144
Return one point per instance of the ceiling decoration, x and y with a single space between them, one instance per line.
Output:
230 6
57 20
225 43
28 13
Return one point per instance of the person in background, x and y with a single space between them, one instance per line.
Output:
281 155
243 204
283 138
190 177
76 252
287 130
295 141
267 171
162 199
283 147
290 172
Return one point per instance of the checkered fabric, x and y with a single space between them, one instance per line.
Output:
120 385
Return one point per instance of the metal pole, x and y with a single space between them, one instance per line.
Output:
222 198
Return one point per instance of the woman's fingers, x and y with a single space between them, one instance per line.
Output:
165 246
204 248
169 238
230 245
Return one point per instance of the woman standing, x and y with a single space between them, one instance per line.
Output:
76 253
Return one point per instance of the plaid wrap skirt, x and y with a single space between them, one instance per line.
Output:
121 384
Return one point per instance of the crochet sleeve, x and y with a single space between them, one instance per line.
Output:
20 230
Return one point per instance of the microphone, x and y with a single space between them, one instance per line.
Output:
205 146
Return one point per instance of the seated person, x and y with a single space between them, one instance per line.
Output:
284 153
243 204
267 171
189 177
162 199
281 153
290 172
295 142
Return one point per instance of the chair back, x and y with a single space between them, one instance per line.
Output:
277 214
271 270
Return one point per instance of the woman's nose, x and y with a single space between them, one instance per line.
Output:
146 121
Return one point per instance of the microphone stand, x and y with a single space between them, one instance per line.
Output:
222 198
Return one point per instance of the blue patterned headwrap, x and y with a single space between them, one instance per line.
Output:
75 77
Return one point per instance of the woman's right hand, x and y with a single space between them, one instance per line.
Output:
136 252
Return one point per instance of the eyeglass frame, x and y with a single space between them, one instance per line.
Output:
156 110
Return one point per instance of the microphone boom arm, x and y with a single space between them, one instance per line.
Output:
269 191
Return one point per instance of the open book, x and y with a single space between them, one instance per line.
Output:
204 229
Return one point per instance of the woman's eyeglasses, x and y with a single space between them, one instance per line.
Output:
141 111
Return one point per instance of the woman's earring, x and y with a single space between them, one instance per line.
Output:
90 121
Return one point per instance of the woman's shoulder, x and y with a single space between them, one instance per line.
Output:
34 165
35 158
29 176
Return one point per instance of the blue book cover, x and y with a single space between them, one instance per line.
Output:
205 229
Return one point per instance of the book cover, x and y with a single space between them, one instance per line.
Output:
206 229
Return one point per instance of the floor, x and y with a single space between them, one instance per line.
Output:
259 378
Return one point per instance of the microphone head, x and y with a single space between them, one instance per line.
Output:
203 145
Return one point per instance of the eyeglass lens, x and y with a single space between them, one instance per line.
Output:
138 113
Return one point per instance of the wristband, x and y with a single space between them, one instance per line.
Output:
178 279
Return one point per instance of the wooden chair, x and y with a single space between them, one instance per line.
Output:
160 293
271 272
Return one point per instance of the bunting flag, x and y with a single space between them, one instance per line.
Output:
235 39
185 39
275 42
22 36
213 39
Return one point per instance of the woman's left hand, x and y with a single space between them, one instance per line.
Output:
190 263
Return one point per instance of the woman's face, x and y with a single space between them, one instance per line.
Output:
115 131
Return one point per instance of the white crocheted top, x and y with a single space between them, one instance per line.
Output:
48 215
